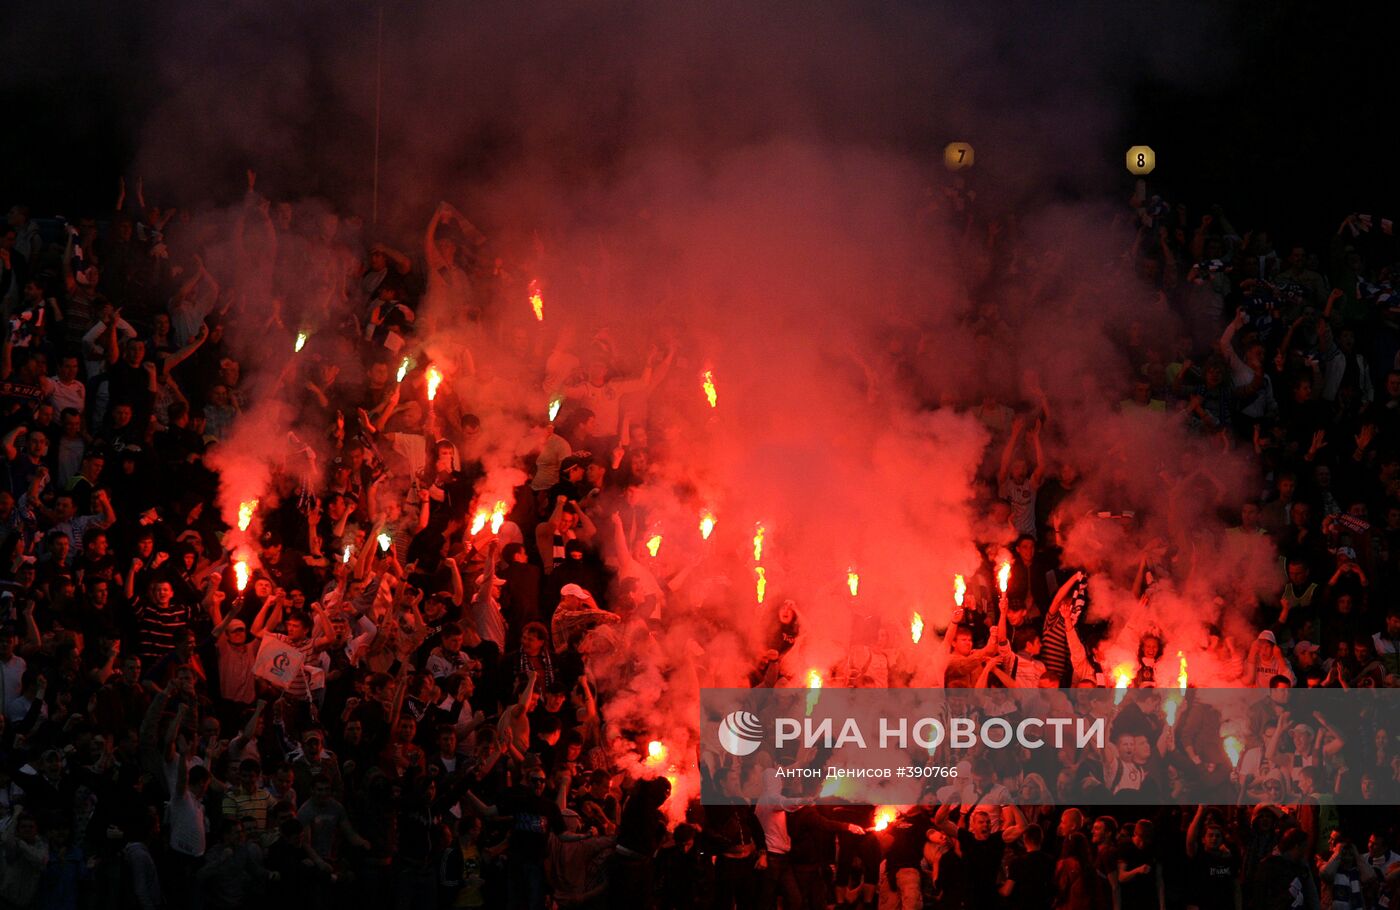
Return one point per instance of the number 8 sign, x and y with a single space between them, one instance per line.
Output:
1141 160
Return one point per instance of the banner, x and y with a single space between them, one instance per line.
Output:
277 662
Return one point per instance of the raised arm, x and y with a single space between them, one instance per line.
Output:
1004 469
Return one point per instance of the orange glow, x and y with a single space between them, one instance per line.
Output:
761 585
245 513
853 582
814 679
1181 679
240 574
345 557
1122 679
758 531
707 524
959 589
884 817
434 380
1003 574
479 521
498 516
656 752
403 369
554 408
814 689
1234 748
300 343
709 386
385 541
536 301
1169 707
654 544
916 627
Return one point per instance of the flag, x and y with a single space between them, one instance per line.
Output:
277 662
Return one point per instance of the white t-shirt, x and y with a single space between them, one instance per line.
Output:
1022 499
62 394
185 815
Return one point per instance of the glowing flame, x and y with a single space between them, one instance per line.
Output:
1181 679
1169 707
554 404
707 524
1003 574
245 513
403 368
345 557
709 386
385 541
916 627
479 521
959 589
240 574
1234 748
1122 679
761 585
498 516
653 544
814 690
853 582
884 817
536 301
656 752
434 380
300 343
758 531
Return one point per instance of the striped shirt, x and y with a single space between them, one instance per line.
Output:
242 804
157 629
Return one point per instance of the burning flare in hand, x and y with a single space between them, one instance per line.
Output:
300 342
708 385
403 368
761 585
1003 574
653 544
758 532
884 817
434 380
916 627
853 582
240 574
707 524
959 589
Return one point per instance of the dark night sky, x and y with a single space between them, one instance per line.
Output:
1290 135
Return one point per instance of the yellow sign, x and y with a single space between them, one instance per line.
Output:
958 156
1141 160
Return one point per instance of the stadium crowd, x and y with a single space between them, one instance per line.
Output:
395 706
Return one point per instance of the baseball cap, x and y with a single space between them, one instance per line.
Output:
1268 636
237 624
1304 647
576 460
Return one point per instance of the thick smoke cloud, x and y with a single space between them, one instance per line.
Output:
754 182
